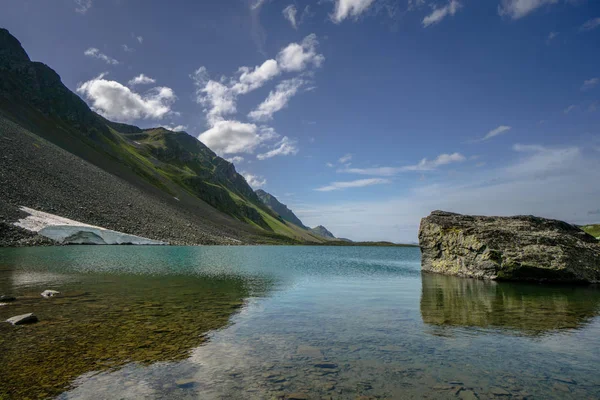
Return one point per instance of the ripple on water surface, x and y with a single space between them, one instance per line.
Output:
295 322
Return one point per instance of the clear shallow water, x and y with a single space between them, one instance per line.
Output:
269 322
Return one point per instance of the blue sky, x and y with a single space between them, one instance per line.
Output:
361 115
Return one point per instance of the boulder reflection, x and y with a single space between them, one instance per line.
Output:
516 307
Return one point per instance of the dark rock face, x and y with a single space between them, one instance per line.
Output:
508 248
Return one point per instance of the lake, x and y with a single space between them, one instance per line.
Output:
285 322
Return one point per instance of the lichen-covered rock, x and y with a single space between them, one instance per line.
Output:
508 248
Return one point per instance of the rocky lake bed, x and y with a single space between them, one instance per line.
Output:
285 322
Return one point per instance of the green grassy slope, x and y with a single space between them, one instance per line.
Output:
593 230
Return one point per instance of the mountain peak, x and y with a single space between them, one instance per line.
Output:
322 231
271 201
11 51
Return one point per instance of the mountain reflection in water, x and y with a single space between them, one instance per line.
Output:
517 308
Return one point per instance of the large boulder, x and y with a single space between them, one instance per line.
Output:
508 248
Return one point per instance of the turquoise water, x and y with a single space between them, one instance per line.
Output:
297 322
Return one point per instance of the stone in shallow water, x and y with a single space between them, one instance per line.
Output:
508 248
467 395
22 319
297 396
185 383
328 365
4 298
50 293
496 391
309 351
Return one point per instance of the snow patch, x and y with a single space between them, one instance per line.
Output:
68 231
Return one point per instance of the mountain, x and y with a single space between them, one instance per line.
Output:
323 232
61 157
271 201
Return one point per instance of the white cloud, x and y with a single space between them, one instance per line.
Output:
127 48
352 184
118 102
495 132
590 25
543 181
230 137
285 147
255 181
176 128
220 97
236 159
442 159
330 165
83 6
516 9
141 79
439 14
94 52
349 8
140 39
295 57
590 83
345 158
289 13
276 100
569 109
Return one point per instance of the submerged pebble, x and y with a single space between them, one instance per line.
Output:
50 293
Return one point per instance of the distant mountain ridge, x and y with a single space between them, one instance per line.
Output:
271 201
323 232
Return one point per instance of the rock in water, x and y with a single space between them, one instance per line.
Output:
5 298
508 248
50 293
23 319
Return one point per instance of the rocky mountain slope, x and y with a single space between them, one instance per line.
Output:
508 248
323 232
271 201
61 157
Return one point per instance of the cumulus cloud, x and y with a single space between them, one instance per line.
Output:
289 13
118 102
569 109
176 128
590 25
230 137
296 57
352 184
590 83
220 97
277 99
141 79
285 147
127 49
349 8
140 39
83 6
439 14
236 159
255 181
94 52
516 9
